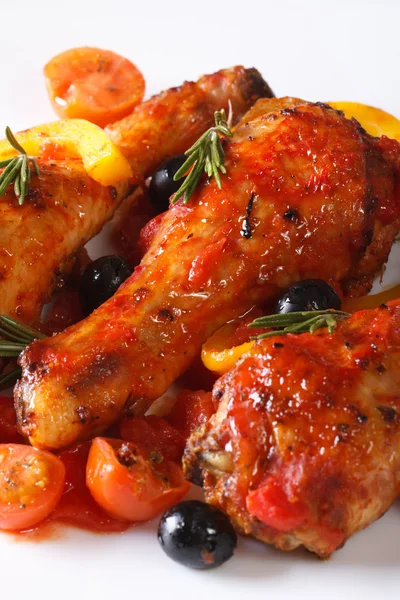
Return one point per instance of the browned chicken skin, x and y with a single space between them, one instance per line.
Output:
307 194
304 448
65 208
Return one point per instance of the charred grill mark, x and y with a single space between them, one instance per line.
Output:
217 394
289 111
361 418
363 363
165 315
291 215
246 225
253 86
97 372
388 414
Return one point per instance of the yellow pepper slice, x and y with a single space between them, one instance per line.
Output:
375 121
372 301
221 361
216 356
75 138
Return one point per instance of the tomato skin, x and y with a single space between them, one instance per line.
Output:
136 490
153 435
93 84
77 506
31 484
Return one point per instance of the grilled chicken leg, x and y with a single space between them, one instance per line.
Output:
305 446
65 208
169 123
307 194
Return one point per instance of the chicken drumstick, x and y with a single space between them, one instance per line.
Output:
307 194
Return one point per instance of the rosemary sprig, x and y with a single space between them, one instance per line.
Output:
206 155
15 336
17 170
299 322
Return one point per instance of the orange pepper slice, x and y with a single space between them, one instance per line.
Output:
375 121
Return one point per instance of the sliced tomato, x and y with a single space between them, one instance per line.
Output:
31 484
190 411
154 436
93 84
77 506
271 505
129 486
8 422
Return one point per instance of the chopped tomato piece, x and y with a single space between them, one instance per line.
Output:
31 483
129 486
271 505
8 422
77 506
154 436
93 84
191 410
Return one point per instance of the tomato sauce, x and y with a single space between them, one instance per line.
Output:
77 507
8 422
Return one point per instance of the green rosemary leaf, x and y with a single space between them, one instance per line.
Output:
298 322
18 327
6 162
9 346
205 155
13 141
17 170
14 338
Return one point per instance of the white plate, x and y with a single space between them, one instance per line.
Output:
315 50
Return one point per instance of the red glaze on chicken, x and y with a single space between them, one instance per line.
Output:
305 446
169 123
307 194
65 207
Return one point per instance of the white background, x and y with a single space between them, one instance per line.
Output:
316 50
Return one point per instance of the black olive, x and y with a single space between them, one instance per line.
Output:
162 184
197 535
309 294
100 280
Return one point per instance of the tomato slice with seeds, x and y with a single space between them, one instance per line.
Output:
31 484
129 486
93 84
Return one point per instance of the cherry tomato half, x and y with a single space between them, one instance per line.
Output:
93 84
31 484
127 485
